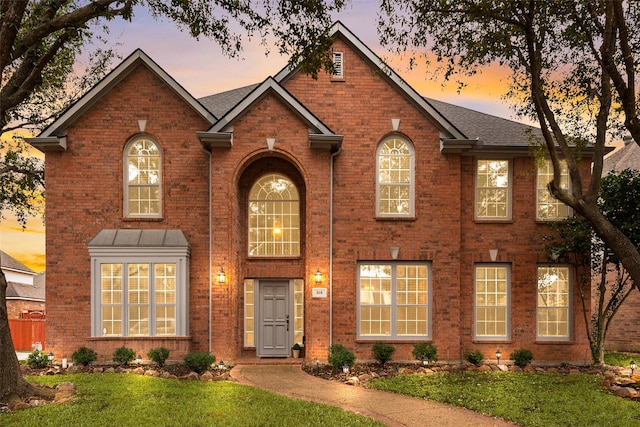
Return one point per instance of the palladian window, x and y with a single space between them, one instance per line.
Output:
274 217
142 179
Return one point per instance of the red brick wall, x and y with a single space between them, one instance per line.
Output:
16 306
85 195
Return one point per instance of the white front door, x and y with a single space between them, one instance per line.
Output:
273 318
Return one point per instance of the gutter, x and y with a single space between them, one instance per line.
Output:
333 156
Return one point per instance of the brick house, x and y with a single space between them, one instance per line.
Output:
25 289
623 333
343 210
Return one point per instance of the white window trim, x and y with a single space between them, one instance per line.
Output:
393 307
151 255
569 336
125 180
339 71
412 166
509 191
476 337
550 219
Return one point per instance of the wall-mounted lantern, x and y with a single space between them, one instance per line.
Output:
222 277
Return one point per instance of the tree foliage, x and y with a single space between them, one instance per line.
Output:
574 68
574 242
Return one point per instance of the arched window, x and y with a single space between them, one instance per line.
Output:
274 217
142 194
395 183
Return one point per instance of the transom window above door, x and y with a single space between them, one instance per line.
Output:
274 217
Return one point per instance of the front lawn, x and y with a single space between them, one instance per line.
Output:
528 399
135 400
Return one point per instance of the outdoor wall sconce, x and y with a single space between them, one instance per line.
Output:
139 360
50 357
318 276
498 355
222 277
633 366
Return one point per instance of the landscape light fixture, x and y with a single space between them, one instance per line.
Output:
498 355
221 365
318 276
633 366
425 361
345 369
139 360
50 357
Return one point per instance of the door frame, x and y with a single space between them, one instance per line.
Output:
258 318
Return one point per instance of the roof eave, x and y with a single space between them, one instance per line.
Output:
325 142
49 143
210 140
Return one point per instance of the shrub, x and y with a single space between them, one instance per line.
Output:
476 357
382 352
199 361
522 357
425 350
123 355
37 359
296 346
159 355
84 356
340 356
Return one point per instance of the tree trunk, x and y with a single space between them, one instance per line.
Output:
12 384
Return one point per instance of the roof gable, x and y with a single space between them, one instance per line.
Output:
221 133
53 138
339 30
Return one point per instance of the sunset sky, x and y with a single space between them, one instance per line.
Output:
203 70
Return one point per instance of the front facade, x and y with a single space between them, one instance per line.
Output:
343 210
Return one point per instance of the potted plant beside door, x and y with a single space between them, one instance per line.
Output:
296 350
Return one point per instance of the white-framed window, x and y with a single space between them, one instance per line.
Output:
492 302
338 65
395 180
142 179
274 217
554 303
139 291
394 300
550 208
493 189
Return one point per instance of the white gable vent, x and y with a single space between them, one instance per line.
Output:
338 65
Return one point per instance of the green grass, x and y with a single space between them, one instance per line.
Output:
528 399
133 400
620 359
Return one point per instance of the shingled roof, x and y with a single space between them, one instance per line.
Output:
23 291
10 263
626 157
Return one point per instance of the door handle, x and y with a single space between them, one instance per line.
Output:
287 323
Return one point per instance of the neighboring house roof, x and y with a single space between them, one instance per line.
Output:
10 263
53 138
626 157
22 291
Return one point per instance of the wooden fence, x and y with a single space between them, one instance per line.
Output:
26 332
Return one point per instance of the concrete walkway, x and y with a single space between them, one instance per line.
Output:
390 408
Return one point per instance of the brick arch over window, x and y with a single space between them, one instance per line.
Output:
142 178
257 174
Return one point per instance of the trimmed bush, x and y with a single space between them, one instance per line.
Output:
339 356
37 359
476 357
199 361
522 357
158 355
84 356
123 355
425 350
382 352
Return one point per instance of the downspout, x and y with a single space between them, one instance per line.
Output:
333 155
210 255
